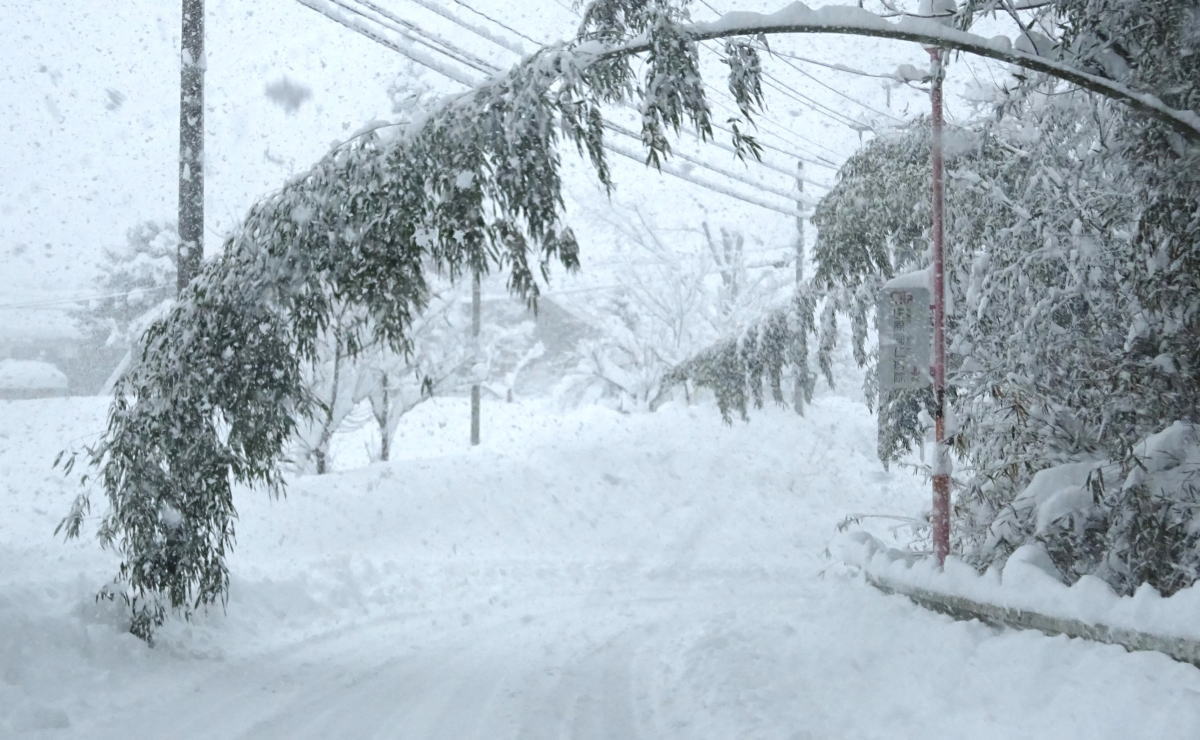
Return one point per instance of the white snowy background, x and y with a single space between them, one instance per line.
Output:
583 573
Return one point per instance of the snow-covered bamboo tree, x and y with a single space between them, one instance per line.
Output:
216 387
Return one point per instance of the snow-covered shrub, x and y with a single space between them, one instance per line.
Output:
675 300
1073 300
135 284
1130 521
626 363
135 279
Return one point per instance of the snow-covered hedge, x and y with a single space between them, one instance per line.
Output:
1129 522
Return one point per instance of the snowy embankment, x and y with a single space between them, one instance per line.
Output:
1026 593
1029 582
581 574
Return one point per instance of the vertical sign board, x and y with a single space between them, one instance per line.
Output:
904 338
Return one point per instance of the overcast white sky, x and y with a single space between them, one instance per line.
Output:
89 101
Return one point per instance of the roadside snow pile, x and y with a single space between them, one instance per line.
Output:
1128 522
1073 502
1029 582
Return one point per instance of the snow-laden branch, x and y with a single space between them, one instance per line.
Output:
799 18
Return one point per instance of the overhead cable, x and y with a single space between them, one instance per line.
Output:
466 80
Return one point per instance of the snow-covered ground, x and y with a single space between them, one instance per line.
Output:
582 574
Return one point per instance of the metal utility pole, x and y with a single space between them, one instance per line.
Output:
798 383
799 223
941 466
475 321
191 144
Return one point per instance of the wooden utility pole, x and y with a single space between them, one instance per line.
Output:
475 321
191 144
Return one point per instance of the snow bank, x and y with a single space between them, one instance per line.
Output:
1029 582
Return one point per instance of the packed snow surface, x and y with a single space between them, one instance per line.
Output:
582 574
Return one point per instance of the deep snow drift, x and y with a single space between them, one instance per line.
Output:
582 574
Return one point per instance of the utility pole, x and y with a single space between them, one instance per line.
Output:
475 321
801 372
799 223
191 144
941 466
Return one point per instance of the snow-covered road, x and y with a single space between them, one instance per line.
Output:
715 655
583 575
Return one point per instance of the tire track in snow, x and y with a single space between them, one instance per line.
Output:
568 665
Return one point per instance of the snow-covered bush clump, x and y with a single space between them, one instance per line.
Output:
1073 301
135 284
1129 521
135 279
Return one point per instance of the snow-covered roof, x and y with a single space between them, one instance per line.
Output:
30 325
29 375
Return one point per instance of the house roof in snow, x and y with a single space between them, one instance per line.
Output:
31 375
37 325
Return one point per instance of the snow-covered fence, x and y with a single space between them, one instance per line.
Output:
1023 595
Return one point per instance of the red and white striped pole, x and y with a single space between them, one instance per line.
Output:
941 465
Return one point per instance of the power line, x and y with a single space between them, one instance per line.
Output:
634 135
669 169
498 22
71 301
433 6
408 51
456 76
490 69
478 31
839 93
835 67
774 83
422 37
715 168
625 286
817 161
820 107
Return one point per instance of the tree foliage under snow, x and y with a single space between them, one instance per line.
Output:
217 386
1073 298
1074 290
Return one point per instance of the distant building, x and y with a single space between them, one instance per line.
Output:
21 379
40 347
